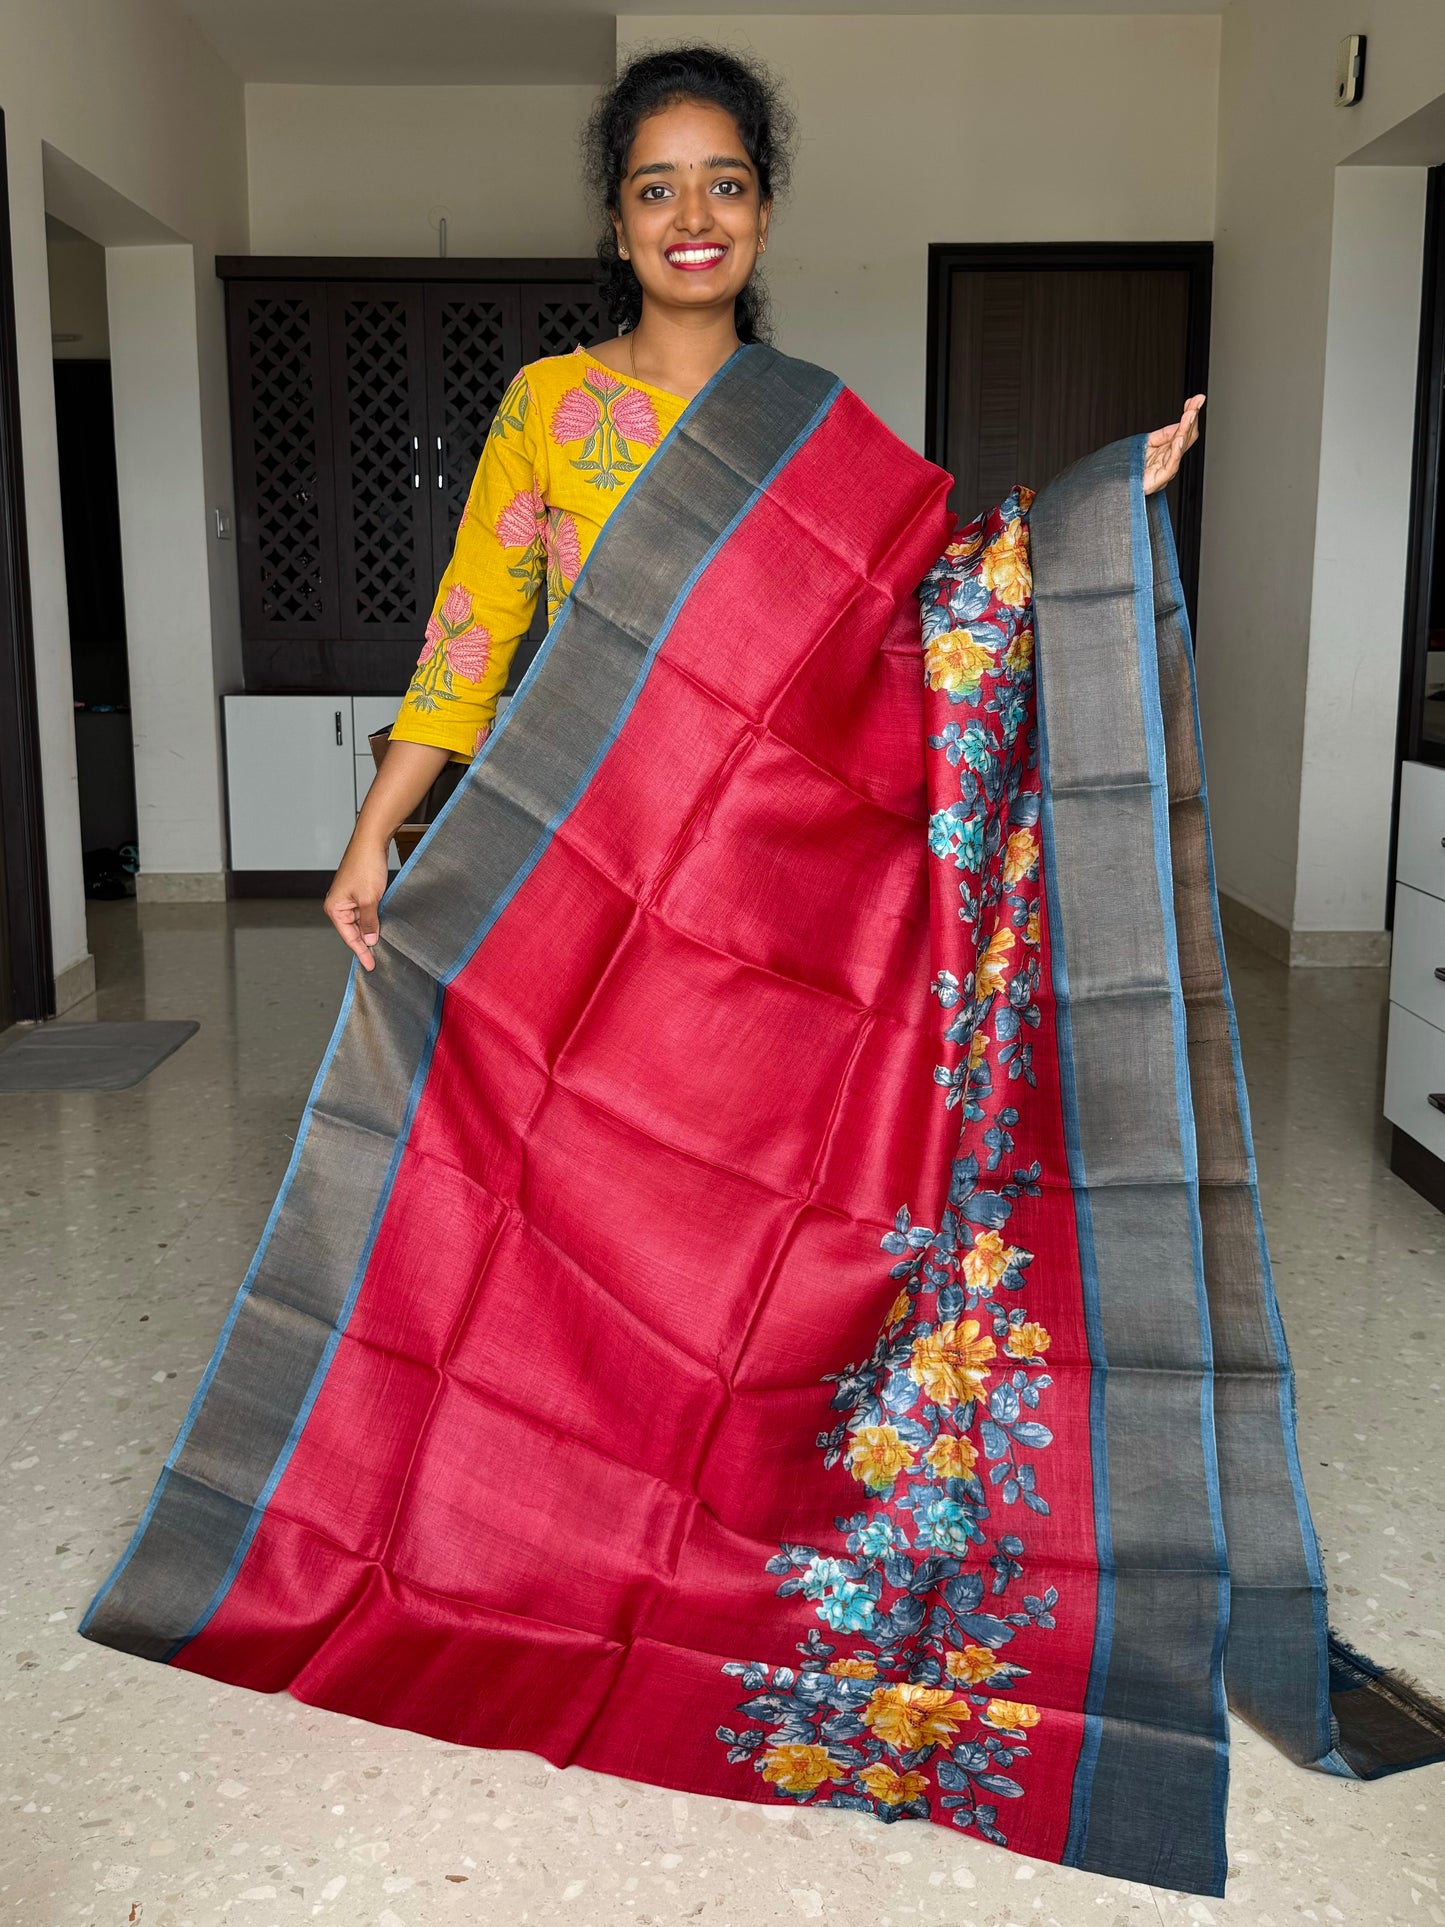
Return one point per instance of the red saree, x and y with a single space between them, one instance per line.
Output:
593 1390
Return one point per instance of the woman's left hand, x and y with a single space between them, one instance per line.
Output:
1166 447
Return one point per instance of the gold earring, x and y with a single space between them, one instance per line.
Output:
624 254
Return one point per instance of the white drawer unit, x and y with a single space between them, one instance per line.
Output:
1421 859
297 768
1415 1079
1417 968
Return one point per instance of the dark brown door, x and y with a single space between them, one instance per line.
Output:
384 475
1041 355
556 319
473 349
281 431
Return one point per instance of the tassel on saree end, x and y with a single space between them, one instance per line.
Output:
1387 1721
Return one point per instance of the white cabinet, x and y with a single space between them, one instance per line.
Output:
1415 1064
297 768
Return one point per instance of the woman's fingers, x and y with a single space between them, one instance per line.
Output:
357 926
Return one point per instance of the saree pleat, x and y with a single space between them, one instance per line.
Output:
570 1376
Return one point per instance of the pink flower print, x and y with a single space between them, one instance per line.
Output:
636 418
603 380
481 736
520 521
457 608
469 654
564 546
575 417
434 633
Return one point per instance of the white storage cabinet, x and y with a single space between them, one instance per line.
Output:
297 769
1415 1062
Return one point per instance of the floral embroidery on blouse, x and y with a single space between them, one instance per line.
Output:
568 439
938 1426
455 644
607 417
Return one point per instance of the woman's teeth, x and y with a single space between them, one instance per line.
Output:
701 257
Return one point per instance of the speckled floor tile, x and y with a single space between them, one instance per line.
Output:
135 1794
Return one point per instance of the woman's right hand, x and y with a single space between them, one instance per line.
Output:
352 902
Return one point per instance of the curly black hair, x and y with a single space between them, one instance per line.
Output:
661 78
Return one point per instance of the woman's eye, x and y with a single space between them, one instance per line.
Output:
656 191
727 187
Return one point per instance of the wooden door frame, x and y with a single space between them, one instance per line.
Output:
26 904
1194 258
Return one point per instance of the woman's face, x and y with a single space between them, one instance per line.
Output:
689 212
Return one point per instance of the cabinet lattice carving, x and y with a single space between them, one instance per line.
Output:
360 404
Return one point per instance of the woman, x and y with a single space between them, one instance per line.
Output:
685 155
762 931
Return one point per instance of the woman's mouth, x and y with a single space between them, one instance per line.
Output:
694 255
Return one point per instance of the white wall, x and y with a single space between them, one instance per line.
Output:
360 170
129 92
1006 127
1271 627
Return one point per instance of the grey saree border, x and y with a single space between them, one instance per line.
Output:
727 447
1149 1797
1176 618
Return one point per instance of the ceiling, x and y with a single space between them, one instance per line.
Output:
431 42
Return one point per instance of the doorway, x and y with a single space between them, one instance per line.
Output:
27 985
94 583
1039 354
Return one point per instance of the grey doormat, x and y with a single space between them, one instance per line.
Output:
88 1057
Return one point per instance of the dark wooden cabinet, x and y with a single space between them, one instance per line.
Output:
361 395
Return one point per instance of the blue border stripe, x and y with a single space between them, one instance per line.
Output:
1288 1422
434 1026
1093 1321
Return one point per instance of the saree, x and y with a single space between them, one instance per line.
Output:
769 1296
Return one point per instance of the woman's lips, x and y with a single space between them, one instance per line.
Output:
693 257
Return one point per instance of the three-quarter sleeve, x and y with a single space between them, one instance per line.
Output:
486 599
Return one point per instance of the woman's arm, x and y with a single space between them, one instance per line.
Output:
407 772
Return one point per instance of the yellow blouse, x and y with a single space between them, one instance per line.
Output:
566 444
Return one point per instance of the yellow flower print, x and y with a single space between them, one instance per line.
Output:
1031 928
1020 652
852 1668
951 1363
1009 1713
892 1788
951 1458
905 1717
798 1769
993 964
966 546
1004 570
898 1310
977 1048
1027 1341
985 1265
972 1666
1020 856
877 1455
957 663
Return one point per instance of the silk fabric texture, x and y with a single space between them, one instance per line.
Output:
769 1297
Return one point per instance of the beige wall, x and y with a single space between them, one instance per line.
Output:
1266 639
362 170
77 295
125 106
1004 127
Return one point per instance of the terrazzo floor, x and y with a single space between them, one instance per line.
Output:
131 1794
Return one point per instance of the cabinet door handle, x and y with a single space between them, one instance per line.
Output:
441 465
416 461
1440 973
1437 1099
340 739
